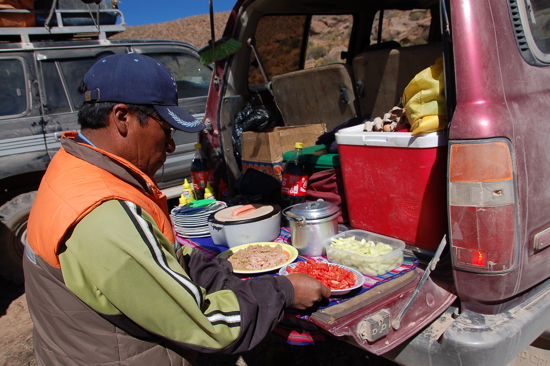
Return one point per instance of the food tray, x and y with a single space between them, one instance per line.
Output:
371 266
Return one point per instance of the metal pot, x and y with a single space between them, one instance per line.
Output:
244 224
310 224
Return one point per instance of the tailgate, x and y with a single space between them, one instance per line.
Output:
366 320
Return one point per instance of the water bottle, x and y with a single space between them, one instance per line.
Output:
201 172
295 178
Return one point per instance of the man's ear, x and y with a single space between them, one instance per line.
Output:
120 116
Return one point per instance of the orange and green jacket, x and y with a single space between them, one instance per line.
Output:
106 285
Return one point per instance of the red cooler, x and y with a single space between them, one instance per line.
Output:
395 183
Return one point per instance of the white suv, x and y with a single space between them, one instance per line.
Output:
40 70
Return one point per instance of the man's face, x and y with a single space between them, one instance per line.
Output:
151 142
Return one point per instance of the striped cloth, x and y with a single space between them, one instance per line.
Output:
295 327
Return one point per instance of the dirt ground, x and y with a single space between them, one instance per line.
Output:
15 326
16 346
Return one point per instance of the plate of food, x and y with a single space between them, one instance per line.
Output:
338 278
259 257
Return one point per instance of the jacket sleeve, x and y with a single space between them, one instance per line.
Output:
212 275
118 262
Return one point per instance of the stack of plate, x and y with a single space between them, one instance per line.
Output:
192 222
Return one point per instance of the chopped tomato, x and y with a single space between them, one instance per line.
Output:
332 276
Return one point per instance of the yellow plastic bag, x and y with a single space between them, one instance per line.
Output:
424 100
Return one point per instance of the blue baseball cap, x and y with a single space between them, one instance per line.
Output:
138 79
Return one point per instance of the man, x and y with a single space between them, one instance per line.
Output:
105 282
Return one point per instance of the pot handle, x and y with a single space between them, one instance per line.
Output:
299 219
243 210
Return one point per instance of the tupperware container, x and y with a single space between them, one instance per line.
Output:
371 266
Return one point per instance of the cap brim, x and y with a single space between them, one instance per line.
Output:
179 119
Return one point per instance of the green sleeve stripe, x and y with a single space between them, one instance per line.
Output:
145 230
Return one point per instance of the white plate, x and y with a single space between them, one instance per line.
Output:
289 249
358 283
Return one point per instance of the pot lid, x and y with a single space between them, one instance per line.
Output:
314 210
244 213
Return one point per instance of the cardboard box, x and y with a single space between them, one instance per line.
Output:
263 151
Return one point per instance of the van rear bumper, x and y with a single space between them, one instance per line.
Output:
477 339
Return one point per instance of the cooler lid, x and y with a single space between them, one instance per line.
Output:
241 214
314 210
356 136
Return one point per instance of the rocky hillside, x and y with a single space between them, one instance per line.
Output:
327 37
194 29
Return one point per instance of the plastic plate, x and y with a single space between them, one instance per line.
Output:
289 250
360 278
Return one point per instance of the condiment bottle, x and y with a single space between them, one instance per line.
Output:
187 191
183 200
208 194
295 178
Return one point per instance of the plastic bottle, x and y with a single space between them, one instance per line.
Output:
187 191
295 178
208 194
201 172
212 191
183 199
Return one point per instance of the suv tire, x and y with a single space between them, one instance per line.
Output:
14 215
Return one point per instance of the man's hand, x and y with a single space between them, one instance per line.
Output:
307 290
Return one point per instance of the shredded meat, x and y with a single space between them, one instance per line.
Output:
258 257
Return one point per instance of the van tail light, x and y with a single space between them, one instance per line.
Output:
483 206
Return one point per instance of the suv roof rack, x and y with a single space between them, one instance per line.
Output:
62 28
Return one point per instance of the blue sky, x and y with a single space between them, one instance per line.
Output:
141 12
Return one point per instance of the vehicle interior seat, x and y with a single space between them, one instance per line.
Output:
324 94
386 72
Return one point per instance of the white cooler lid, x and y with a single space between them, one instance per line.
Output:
356 136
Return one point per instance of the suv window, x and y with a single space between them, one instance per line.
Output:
61 81
279 41
328 37
192 78
64 76
408 27
13 94
535 17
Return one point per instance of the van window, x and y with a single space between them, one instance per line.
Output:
279 40
408 27
192 78
13 94
536 20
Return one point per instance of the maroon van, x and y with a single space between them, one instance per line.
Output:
487 296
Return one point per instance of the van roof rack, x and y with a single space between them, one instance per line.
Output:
64 23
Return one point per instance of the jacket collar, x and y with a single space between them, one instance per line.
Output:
115 165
